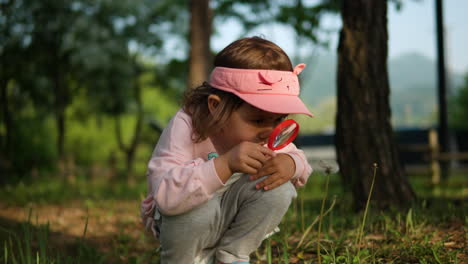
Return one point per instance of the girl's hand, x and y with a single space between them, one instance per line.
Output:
280 168
247 157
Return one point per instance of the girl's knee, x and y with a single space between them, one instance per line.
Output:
281 195
189 226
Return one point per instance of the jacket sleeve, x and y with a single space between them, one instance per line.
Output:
303 168
177 181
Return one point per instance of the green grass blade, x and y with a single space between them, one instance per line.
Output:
5 252
321 218
13 257
269 259
285 251
361 230
409 221
436 256
85 227
309 228
21 251
43 236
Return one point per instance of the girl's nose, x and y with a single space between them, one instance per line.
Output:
264 134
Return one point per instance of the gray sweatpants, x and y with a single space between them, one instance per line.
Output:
233 224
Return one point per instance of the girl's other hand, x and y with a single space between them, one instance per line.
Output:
281 169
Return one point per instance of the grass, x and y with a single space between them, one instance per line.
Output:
413 236
27 243
58 191
89 221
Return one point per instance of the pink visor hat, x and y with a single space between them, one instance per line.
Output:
269 90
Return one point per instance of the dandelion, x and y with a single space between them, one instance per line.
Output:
328 170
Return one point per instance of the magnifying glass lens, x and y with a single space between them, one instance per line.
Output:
284 135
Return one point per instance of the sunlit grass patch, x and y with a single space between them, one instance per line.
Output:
92 241
28 243
53 190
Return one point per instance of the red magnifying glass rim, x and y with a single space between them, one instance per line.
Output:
278 129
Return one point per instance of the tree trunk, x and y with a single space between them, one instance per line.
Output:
363 130
200 33
7 117
60 102
118 134
6 147
55 74
137 131
131 149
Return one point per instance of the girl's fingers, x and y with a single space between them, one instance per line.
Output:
251 158
262 153
264 171
273 185
248 169
254 163
260 157
270 182
266 151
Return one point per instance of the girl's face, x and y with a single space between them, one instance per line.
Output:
247 123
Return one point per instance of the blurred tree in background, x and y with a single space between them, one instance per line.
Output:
304 19
201 18
54 53
459 108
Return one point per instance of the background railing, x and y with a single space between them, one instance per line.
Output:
418 149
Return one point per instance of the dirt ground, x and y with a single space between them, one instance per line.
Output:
112 227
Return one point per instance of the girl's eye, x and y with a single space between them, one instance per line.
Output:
279 120
258 121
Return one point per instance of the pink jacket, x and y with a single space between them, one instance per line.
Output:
180 176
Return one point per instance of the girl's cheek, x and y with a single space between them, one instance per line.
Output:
265 133
243 136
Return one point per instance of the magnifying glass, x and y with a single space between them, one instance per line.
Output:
283 134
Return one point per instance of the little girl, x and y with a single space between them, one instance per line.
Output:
215 191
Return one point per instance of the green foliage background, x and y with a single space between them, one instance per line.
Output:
87 59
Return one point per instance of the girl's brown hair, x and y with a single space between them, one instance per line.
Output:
245 53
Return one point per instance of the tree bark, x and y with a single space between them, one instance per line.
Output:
364 133
6 147
6 115
200 33
131 149
60 103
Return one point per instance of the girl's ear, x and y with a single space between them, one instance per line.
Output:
213 102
